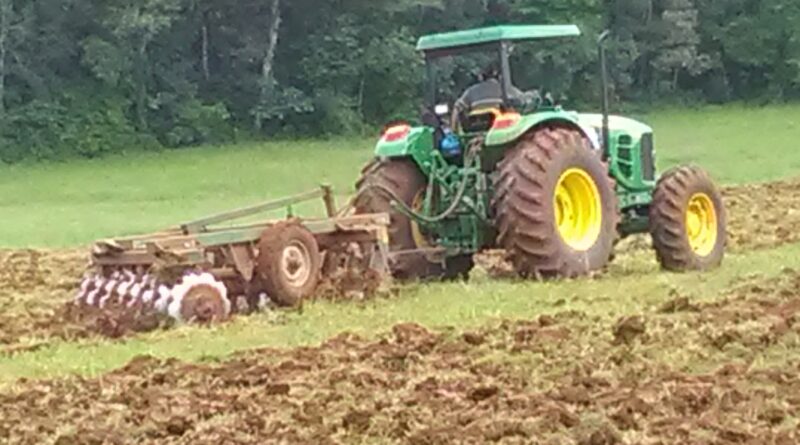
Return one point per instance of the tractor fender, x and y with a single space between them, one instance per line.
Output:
416 144
505 136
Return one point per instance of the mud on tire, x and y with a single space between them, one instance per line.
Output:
670 213
525 207
406 181
289 263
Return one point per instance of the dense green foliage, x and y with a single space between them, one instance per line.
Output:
86 77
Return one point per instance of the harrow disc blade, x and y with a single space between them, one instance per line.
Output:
199 299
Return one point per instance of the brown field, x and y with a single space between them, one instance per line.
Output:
592 383
719 372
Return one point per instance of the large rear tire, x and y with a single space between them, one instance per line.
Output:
403 179
688 221
555 207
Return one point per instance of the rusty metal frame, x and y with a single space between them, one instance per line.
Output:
191 244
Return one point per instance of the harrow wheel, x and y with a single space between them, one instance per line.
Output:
687 221
289 263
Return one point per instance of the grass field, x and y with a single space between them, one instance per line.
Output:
69 204
459 306
634 355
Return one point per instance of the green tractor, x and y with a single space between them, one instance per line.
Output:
556 189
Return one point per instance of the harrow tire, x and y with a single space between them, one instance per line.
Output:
669 215
289 263
526 187
406 181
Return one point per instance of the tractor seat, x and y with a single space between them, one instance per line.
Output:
480 120
479 106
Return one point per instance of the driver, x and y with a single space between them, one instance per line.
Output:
488 92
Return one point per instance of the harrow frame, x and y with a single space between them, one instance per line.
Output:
214 245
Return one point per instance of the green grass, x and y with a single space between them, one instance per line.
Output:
74 203
634 285
736 144
54 205
68 204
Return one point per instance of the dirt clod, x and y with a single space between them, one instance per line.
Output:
604 435
482 393
628 329
680 304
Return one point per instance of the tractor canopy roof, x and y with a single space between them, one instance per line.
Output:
448 43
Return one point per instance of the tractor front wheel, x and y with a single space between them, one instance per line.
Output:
401 178
687 221
556 211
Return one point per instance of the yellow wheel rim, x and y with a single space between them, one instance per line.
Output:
701 224
420 240
578 209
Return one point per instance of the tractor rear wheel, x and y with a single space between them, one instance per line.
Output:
289 263
555 206
688 221
403 179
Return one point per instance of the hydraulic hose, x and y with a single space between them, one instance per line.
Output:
404 208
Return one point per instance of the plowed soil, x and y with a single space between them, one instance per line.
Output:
726 372
34 285
763 215
36 290
692 372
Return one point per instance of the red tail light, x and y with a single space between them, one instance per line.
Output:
396 133
506 120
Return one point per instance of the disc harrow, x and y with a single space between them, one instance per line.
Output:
198 297
200 272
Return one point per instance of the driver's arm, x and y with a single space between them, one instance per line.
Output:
525 98
463 102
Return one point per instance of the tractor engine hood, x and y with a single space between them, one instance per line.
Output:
616 124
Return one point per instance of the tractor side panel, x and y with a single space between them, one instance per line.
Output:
632 161
417 145
506 136
631 157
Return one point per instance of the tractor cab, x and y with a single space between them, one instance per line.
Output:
493 166
480 103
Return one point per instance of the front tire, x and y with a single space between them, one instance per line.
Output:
688 221
555 206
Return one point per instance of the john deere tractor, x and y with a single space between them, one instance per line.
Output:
555 189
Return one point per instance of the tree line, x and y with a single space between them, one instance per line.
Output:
88 77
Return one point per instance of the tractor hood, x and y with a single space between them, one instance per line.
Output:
616 124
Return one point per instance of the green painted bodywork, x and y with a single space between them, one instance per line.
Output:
630 154
511 134
634 188
418 145
452 40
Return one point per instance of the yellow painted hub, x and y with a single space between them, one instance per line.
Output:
701 224
578 209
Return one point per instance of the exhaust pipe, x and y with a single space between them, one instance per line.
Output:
601 48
